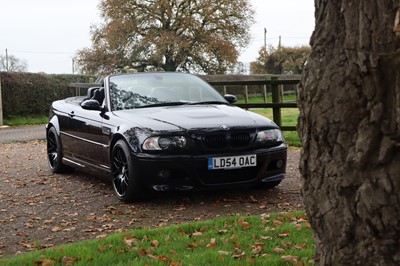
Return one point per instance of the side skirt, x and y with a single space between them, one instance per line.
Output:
87 167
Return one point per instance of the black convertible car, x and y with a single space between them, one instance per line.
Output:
164 132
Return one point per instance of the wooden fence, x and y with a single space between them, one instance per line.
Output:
274 85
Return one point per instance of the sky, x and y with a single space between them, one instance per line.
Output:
47 33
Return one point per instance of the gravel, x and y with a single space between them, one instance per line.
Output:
39 209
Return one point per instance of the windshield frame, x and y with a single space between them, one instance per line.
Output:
138 90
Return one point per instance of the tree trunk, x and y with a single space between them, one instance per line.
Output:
349 123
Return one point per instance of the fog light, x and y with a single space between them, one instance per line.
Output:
279 164
164 174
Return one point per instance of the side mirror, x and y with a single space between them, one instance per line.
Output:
91 105
230 98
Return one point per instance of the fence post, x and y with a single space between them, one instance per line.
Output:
246 92
1 106
265 94
276 111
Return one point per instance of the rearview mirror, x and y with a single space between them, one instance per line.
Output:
230 98
91 105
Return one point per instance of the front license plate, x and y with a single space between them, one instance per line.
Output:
232 162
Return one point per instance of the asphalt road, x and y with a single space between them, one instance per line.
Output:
23 133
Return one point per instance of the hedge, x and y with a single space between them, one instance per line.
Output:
32 94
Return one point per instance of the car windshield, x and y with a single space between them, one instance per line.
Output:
142 90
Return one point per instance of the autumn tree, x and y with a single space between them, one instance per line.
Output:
350 130
187 35
281 60
11 63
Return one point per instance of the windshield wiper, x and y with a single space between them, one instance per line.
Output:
209 102
161 104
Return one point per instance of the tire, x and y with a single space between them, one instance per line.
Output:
54 152
124 178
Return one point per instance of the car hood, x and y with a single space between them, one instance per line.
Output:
194 117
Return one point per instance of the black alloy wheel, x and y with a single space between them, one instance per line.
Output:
54 154
124 180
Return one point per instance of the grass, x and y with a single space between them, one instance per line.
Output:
275 239
25 120
287 97
289 117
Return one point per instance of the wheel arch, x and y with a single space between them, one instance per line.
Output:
131 138
53 122
114 140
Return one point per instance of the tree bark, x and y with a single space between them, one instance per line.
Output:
349 123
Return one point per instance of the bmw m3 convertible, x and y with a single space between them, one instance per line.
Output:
164 132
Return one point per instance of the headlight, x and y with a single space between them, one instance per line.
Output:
270 135
164 143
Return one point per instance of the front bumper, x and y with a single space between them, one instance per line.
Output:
186 172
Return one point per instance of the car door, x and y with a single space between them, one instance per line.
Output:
64 114
84 130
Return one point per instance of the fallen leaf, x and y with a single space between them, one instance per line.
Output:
173 252
286 244
277 223
164 258
56 229
46 262
298 227
191 245
155 243
257 248
300 246
68 260
266 229
239 256
221 232
196 234
290 258
179 209
223 253
283 235
212 244
241 222
101 236
101 248
29 225
279 250
253 199
142 252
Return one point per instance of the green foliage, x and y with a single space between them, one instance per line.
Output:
32 94
292 138
269 239
281 60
